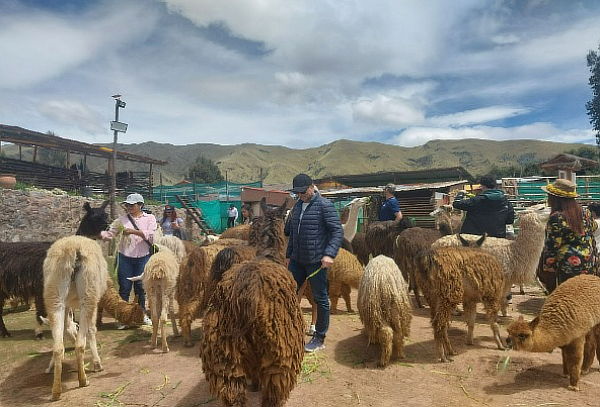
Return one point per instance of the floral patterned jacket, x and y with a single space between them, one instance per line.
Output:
567 253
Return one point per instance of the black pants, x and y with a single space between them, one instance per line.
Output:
230 222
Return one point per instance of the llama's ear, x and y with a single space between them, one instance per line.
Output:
263 205
481 240
463 241
104 205
87 207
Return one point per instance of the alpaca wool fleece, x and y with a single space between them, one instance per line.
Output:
411 244
569 319
241 232
160 278
253 327
21 277
381 236
384 307
343 275
193 273
451 275
127 313
360 248
519 258
75 277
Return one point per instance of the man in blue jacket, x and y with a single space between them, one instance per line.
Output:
315 236
489 212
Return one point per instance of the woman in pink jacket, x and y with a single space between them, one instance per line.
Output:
134 248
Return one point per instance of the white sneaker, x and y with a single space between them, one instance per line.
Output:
147 321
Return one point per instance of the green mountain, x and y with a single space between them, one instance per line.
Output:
277 164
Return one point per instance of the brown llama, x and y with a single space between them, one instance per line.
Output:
191 282
253 326
569 319
451 275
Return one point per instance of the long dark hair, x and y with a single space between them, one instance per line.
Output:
172 215
570 209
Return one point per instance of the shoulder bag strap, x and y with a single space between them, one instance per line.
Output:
136 228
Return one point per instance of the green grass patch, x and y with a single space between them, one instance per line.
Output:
314 366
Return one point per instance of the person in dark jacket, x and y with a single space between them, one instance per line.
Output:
489 212
315 236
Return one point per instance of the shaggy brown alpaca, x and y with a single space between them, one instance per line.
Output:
224 260
127 313
410 244
451 275
191 282
344 274
381 236
241 232
253 326
569 315
360 248
384 307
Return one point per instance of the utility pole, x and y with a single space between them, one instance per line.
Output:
117 127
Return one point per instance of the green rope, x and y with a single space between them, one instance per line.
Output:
314 273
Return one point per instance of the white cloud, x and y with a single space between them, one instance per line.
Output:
505 39
397 112
74 114
538 131
38 46
481 115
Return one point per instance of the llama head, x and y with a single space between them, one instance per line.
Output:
472 243
94 221
520 334
270 240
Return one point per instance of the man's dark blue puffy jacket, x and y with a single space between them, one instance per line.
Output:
320 233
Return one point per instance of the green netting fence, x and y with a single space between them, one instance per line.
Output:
220 190
214 211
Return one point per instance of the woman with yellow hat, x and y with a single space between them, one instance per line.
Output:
570 248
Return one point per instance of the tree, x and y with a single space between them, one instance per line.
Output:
55 158
204 170
593 106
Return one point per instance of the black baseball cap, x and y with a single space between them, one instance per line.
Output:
301 183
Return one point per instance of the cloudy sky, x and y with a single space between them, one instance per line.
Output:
299 73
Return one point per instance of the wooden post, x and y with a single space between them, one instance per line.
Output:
20 155
35 153
68 159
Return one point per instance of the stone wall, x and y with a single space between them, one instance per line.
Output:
40 215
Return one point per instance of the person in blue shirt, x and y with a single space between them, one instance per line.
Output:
390 210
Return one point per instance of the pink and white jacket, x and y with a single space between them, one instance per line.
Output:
136 246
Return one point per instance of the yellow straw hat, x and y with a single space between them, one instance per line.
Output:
562 188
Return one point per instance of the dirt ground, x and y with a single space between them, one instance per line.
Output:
344 374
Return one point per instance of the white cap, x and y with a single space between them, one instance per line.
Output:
133 199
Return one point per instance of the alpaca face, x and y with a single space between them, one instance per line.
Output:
94 221
520 335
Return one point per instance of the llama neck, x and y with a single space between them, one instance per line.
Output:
543 341
350 225
527 245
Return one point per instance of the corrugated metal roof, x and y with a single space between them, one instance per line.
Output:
399 188
19 135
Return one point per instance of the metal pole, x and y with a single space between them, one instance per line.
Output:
227 186
113 189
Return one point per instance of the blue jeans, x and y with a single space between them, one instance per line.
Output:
131 267
318 284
